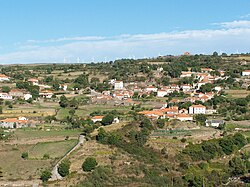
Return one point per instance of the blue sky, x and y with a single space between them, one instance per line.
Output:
64 30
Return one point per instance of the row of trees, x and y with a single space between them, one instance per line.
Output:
210 149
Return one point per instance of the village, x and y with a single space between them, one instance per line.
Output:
49 116
127 94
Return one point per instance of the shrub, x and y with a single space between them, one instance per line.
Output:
89 164
108 119
25 155
183 140
63 168
45 175
46 156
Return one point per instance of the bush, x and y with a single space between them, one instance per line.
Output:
89 164
183 140
46 156
108 119
63 168
25 155
45 175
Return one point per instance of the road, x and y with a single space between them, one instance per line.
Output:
55 175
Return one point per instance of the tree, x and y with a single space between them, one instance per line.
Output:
82 81
89 164
45 175
25 155
160 123
215 54
237 166
63 168
63 101
206 88
5 89
108 119
200 118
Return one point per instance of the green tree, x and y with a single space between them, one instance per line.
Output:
237 166
5 89
63 168
82 81
108 119
25 155
45 175
200 118
63 101
89 164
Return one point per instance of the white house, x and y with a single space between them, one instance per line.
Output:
64 87
214 123
118 85
4 78
246 73
217 88
27 96
5 96
33 81
186 87
186 74
151 89
14 122
197 109
184 117
206 70
46 94
97 118
162 93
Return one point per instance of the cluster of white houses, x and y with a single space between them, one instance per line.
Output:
11 123
174 112
44 92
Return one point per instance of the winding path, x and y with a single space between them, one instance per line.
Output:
55 175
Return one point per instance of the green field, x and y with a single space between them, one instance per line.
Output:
34 133
84 111
53 149
15 168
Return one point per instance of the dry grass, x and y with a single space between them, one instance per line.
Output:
111 127
237 93
53 149
15 168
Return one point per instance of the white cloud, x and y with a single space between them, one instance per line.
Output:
235 24
245 16
232 37
68 39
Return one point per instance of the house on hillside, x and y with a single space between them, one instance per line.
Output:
197 109
33 81
206 70
27 96
162 93
118 85
64 87
46 94
246 73
16 93
184 117
4 78
14 122
186 87
97 118
151 89
5 96
186 74
214 123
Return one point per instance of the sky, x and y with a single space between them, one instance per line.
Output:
56 31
